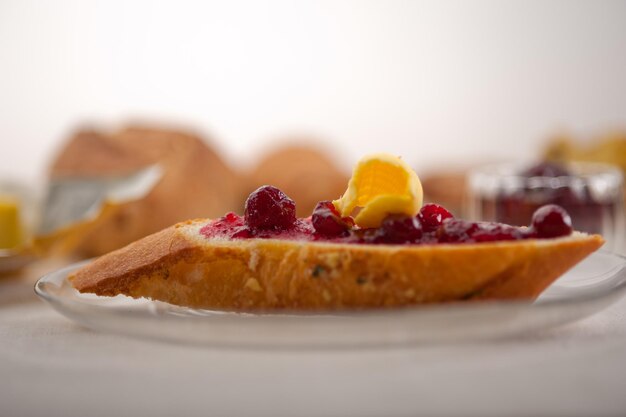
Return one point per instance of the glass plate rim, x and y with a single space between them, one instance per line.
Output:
612 290
590 290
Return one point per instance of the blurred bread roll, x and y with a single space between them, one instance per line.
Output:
196 182
446 188
304 172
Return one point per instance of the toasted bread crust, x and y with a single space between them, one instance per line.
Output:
178 266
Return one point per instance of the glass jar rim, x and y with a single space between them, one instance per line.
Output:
495 178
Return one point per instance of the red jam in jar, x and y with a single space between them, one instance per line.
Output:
592 194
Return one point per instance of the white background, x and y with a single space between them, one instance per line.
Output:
433 81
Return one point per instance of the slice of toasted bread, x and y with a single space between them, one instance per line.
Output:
180 266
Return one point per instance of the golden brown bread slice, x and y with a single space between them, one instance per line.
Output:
179 266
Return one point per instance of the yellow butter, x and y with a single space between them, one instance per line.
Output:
381 184
10 229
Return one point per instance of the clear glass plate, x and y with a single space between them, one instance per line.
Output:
12 260
591 286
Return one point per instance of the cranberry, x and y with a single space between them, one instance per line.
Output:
431 216
268 208
397 228
222 226
551 221
546 169
328 222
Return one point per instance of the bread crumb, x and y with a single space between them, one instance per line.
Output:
327 296
253 262
253 285
410 293
332 259
195 275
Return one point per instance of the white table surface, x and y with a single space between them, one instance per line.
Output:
52 367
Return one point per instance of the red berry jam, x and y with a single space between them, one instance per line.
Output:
233 226
462 231
456 231
397 228
493 232
270 214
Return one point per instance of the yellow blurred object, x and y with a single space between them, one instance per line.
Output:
381 184
610 148
10 227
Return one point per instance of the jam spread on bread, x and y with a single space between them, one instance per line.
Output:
270 214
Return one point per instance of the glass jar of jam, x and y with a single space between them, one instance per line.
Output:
592 194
